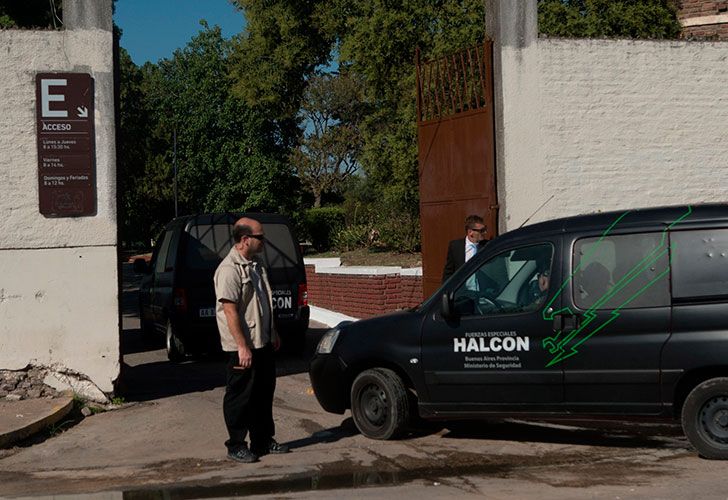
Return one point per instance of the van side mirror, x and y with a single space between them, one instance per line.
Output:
447 308
141 266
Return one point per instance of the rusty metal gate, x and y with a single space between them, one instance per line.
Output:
455 135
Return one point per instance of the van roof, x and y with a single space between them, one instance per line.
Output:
635 218
229 218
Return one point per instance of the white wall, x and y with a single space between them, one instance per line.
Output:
604 124
58 276
627 124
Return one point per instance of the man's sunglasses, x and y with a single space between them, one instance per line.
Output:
481 230
259 237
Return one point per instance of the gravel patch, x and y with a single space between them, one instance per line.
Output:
25 384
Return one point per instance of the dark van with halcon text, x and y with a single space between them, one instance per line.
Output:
621 314
177 295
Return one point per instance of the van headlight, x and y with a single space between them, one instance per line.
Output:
326 344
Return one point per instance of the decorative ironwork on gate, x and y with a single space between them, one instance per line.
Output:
454 83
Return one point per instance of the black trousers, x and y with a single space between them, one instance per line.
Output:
248 403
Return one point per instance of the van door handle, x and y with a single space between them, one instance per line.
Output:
566 322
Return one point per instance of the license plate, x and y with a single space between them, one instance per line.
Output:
208 312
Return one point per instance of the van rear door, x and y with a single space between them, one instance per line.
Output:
207 242
285 268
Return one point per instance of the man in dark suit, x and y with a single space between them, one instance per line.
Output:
461 250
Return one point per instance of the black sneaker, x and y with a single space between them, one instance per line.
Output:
273 447
243 455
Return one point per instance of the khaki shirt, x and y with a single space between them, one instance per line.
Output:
244 282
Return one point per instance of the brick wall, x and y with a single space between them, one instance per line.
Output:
363 292
704 19
707 31
699 8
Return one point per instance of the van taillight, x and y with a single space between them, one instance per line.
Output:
180 300
302 295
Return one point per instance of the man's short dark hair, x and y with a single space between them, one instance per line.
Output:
240 230
472 220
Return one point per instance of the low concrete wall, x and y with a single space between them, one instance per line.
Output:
361 291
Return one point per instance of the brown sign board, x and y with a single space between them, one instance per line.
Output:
66 152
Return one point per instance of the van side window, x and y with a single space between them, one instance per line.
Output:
700 264
511 282
621 272
161 262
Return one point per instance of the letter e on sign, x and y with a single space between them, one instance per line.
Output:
46 97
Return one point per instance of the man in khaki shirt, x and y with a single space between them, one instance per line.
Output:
248 336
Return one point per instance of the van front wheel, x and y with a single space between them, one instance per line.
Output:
175 348
379 404
705 418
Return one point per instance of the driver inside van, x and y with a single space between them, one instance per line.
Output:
538 288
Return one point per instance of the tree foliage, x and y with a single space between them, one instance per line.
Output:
228 155
374 42
324 87
327 155
609 18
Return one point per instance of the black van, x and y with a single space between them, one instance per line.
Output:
618 314
177 297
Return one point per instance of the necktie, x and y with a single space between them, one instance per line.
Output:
469 252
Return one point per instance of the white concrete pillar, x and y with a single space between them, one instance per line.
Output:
513 27
59 302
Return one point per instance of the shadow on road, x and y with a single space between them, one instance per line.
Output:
331 435
147 374
159 378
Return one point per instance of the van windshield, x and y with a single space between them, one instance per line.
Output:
208 244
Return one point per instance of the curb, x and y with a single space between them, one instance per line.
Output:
327 317
56 409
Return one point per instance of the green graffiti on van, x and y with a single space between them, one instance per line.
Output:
565 344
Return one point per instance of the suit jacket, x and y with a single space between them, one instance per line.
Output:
456 257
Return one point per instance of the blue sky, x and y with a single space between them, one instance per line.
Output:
153 29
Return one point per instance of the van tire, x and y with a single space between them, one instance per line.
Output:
175 347
705 418
379 404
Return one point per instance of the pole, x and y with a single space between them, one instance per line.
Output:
174 162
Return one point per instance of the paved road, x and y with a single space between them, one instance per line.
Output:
167 443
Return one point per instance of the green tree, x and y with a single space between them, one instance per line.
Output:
280 48
227 152
327 155
229 156
136 207
609 18
375 42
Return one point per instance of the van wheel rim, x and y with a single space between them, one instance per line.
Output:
374 403
714 419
